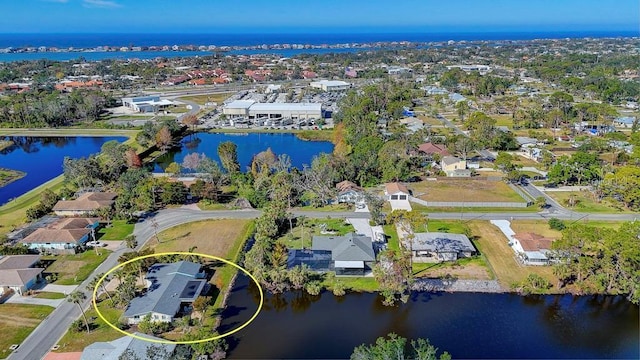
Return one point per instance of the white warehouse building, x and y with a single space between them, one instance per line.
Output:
331 85
146 104
253 110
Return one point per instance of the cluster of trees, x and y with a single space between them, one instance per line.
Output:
161 134
580 168
600 261
475 84
51 108
396 348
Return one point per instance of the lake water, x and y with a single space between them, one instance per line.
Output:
249 144
42 157
467 325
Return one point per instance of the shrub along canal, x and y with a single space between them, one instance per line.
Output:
467 325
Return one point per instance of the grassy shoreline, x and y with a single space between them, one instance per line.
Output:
306 135
7 176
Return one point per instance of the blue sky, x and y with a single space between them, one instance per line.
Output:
229 16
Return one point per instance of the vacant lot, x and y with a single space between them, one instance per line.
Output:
203 99
494 246
539 227
211 237
74 269
17 322
464 190
466 269
583 201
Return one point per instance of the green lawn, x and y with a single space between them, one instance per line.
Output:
76 341
7 176
447 226
328 208
17 322
301 237
418 207
49 295
74 269
392 242
357 284
118 230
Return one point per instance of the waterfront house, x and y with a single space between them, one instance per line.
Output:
84 204
63 236
439 246
351 254
125 347
533 249
19 273
349 192
171 289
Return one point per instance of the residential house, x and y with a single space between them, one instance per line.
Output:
396 191
625 121
84 204
438 246
133 347
454 167
63 236
431 149
18 273
351 254
532 248
349 192
171 289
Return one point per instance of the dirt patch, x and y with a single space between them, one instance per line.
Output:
535 226
466 272
12 320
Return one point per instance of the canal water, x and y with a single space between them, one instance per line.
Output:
42 157
249 144
467 325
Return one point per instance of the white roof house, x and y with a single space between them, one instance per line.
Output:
331 85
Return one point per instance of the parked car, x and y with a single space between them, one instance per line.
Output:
96 244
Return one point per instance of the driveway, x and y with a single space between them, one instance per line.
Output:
29 300
63 289
400 205
362 227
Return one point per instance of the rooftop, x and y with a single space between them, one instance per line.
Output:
113 350
533 242
394 188
350 247
441 242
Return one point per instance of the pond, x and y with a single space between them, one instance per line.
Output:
467 325
41 159
249 144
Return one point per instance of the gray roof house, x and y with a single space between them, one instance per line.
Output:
18 273
351 254
171 287
438 246
113 350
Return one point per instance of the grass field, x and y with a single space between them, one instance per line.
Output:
17 322
48 295
464 191
74 269
539 227
466 209
494 246
203 99
393 242
8 175
211 237
299 237
585 203
118 230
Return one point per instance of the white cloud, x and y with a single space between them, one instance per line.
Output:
104 4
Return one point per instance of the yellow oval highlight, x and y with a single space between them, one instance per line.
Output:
95 294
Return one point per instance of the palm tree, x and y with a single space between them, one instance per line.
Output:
94 283
77 297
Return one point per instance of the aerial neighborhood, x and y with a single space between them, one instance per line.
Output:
484 166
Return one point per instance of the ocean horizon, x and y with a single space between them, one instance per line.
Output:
89 40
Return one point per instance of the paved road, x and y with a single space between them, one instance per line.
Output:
450 125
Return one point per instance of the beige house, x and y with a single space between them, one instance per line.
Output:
62 237
454 167
84 204
17 273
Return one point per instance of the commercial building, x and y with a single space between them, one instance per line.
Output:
331 85
146 104
252 110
